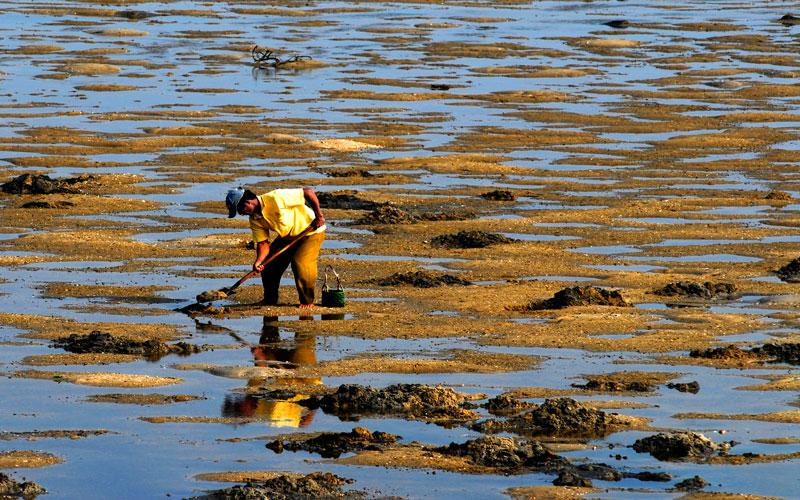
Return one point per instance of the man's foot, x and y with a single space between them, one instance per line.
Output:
264 303
306 306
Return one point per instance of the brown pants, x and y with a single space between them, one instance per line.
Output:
303 258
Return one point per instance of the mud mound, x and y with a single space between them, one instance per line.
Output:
781 353
48 204
692 387
692 484
691 289
778 196
420 279
499 195
579 296
412 401
505 405
313 486
616 386
197 309
334 444
730 352
555 417
346 201
470 239
387 215
507 454
349 172
790 273
10 488
678 446
43 184
100 342
445 216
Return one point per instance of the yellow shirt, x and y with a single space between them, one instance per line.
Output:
283 211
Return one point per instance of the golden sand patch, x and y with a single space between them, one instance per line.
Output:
610 43
780 384
786 417
550 492
78 359
143 399
105 88
27 459
89 69
38 49
244 476
341 144
100 379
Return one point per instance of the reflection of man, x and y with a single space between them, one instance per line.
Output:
280 412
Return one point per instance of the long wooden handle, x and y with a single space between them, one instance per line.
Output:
254 272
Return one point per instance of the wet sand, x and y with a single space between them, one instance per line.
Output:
626 160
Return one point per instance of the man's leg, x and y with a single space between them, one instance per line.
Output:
304 267
271 275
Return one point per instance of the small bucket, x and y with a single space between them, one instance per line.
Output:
332 298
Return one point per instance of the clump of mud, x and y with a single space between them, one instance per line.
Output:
679 446
778 196
576 296
420 279
470 239
554 417
334 444
387 214
790 273
499 195
691 289
211 296
411 401
616 386
507 454
10 488
48 204
198 309
349 172
43 184
506 405
692 484
780 353
346 201
101 342
285 487
691 387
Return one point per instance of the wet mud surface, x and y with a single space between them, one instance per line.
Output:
567 235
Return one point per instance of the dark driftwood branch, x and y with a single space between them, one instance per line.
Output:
265 57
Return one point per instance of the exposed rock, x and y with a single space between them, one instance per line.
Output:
420 279
10 488
197 309
445 216
499 195
470 239
692 387
507 453
412 401
561 416
43 184
782 353
349 172
618 23
778 196
572 479
313 486
790 272
334 444
578 296
729 352
135 14
679 446
661 477
601 472
211 296
616 386
691 289
692 484
100 342
48 204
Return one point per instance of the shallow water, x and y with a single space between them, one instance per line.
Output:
194 61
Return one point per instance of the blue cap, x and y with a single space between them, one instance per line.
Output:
232 200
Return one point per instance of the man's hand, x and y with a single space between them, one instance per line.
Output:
258 267
318 222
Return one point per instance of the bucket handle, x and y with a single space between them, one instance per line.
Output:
338 279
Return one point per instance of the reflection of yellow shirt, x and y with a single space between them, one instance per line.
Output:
283 211
280 413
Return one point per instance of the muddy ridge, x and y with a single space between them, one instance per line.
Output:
44 184
707 290
507 454
470 239
334 444
11 488
420 279
554 417
679 446
776 353
577 296
101 342
286 487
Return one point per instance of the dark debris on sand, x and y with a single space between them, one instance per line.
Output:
554 417
11 488
499 195
334 444
505 405
470 239
420 279
576 296
410 401
43 184
790 272
616 386
507 454
101 342
285 487
387 214
346 201
690 289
